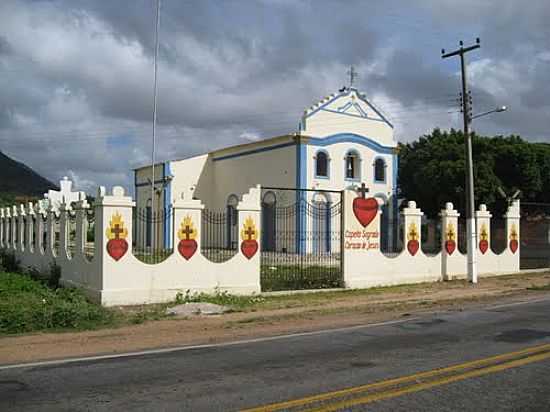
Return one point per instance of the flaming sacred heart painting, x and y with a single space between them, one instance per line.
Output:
514 238
412 239
187 234
450 241
484 239
365 209
117 246
249 234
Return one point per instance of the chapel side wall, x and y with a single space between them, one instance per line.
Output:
235 175
143 186
196 173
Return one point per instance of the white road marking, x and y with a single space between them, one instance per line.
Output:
205 346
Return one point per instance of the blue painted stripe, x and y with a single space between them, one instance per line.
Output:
365 117
351 138
347 93
249 152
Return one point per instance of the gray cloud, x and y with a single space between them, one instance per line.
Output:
76 75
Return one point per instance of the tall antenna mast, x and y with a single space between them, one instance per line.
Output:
154 118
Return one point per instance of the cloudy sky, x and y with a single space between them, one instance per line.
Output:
76 76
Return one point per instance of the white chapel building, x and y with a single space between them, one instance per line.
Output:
342 141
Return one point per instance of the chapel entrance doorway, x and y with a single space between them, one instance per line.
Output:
301 239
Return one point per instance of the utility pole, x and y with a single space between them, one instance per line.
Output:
157 24
470 203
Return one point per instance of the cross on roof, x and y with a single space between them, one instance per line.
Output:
352 75
363 190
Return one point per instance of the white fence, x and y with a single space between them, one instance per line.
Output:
114 276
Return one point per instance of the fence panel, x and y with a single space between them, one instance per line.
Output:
152 237
219 234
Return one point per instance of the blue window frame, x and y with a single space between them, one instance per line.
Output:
352 166
322 164
379 170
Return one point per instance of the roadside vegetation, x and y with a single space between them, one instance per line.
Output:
32 301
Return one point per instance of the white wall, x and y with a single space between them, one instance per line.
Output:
330 116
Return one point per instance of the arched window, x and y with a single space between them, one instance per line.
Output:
352 165
232 216
269 224
321 164
232 222
379 170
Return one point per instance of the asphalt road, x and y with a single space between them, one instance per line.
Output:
253 374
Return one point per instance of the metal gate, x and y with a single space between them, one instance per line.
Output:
301 239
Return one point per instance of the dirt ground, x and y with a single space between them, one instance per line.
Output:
280 315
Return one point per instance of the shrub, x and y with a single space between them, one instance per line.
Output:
29 305
8 261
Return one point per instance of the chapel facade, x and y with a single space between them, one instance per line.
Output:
342 141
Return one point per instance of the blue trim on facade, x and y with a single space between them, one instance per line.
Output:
315 175
351 138
365 116
347 93
249 152
374 170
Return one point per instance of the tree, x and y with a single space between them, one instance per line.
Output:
432 170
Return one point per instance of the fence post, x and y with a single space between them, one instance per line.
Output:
39 228
14 227
412 226
186 235
483 223
449 223
30 229
249 210
512 217
2 226
64 210
81 207
50 238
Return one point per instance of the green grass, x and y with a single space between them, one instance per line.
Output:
294 277
28 305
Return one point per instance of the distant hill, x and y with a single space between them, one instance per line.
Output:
20 181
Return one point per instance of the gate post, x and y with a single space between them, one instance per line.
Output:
412 228
450 256
512 217
187 224
249 209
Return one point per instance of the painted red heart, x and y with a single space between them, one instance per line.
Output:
365 210
117 248
249 248
187 248
483 246
514 245
413 246
450 246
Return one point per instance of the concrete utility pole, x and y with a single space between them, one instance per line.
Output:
470 203
157 24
